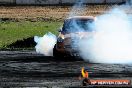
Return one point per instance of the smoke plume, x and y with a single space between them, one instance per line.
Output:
112 39
45 44
128 2
78 9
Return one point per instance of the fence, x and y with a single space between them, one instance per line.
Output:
58 2
7 1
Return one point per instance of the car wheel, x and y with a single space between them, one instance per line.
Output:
56 54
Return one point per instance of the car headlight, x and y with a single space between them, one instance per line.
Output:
60 40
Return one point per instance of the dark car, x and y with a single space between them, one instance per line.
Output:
74 29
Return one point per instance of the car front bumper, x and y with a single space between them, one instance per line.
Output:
68 51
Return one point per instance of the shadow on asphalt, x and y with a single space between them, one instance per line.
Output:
44 59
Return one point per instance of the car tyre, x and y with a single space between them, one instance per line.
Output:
56 54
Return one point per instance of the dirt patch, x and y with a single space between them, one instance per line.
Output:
25 43
46 12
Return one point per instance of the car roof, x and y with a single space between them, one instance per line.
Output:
81 17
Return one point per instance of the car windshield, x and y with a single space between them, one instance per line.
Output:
77 25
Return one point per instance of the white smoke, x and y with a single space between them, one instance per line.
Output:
110 43
128 2
78 9
45 44
112 40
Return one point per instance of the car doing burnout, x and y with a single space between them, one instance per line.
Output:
74 29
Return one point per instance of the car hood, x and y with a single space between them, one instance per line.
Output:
73 38
79 35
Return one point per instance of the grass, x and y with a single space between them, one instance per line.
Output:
10 32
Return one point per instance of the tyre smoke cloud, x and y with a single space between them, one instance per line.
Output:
110 43
45 44
112 40
78 9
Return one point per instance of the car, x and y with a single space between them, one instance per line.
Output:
74 29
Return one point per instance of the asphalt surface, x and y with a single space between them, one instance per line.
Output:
29 69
